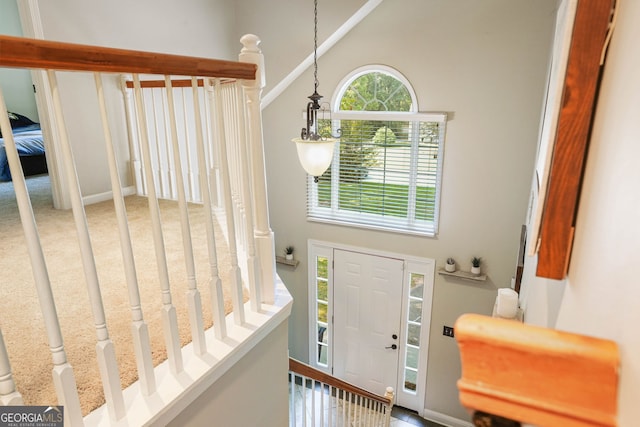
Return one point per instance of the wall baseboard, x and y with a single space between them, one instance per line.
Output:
107 195
443 419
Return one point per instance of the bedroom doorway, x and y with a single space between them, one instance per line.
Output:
362 303
22 18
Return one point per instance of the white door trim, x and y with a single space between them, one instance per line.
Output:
32 27
412 263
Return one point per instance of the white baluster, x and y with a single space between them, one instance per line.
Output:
139 328
213 149
63 378
241 181
8 393
236 279
193 179
330 406
134 164
215 283
193 295
152 122
167 149
253 263
304 400
169 316
104 347
229 119
313 403
263 233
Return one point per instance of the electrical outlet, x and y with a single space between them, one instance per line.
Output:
447 331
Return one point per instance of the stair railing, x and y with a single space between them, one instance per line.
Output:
319 399
246 80
527 374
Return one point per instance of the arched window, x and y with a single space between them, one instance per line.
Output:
386 168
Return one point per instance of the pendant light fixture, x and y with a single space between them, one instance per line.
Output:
315 151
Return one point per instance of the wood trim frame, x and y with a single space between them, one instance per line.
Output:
536 375
581 84
24 52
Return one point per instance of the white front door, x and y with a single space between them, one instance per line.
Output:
367 302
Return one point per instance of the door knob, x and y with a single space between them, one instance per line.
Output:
392 346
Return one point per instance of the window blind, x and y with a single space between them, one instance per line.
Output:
385 172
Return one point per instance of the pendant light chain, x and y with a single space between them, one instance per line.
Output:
314 151
315 45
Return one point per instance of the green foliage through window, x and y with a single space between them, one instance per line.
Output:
386 171
376 91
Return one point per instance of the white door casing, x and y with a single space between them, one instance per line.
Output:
367 315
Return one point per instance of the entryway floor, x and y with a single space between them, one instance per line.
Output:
401 417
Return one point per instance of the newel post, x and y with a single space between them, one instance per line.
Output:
262 232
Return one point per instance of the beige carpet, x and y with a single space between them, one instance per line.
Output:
21 320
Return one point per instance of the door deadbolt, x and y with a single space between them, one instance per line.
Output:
392 346
394 336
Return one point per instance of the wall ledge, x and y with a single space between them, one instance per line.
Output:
176 393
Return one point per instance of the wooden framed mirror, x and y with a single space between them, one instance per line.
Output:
582 32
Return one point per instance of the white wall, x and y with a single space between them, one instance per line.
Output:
484 62
190 27
253 393
286 30
601 292
17 87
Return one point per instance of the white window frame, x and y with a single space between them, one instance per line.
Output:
333 214
316 250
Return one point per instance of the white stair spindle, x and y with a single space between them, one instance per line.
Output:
215 283
194 300
134 164
168 144
263 233
104 347
304 400
236 279
8 393
330 411
161 172
292 398
63 378
253 263
169 316
193 178
313 403
139 328
323 404
213 153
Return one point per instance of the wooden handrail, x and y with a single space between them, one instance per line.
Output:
309 372
174 83
21 52
161 83
536 375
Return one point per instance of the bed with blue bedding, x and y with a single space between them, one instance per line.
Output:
30 145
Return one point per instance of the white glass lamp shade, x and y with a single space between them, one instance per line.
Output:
315 156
